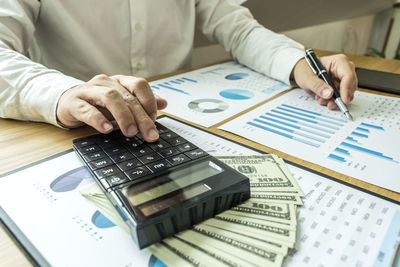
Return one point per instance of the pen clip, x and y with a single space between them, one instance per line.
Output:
310 64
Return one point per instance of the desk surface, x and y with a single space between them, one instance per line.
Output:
36 141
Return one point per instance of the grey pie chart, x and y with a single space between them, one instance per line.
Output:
201 105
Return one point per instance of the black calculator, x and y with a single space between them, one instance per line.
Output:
160 188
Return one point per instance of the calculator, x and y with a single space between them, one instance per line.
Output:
160 188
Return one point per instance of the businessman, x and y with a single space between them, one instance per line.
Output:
76 62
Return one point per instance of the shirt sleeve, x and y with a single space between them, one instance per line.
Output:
246 40
28 90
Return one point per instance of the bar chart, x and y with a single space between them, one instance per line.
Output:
294 123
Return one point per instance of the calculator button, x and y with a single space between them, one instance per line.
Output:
83 143
159 165
169 152
149 158
107 143
161 128
176 141
140 136
89 149
129 164
138 172
107 171
94 156
98 164
132 142
117 179
178 159
130 139
159 145
197 153
168 135
121 157
186 147
144 150
115 150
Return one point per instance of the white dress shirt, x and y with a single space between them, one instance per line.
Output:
49 46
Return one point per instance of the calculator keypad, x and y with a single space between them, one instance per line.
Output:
116 159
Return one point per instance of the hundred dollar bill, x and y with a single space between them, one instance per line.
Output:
279 233
262 244
276 197
231 244
263 171
174 252
285 169
203 253
241 253
99 200
280 213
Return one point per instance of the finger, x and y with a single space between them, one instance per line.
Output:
343 70
111 99
323 102
307 80
332 105
144 122
348 85
319 87
141 90
90 115
161 102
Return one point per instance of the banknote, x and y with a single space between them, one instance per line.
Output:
227 248
263 171
258 232
276 197
175 252
283 234
280 213
95 196
262 244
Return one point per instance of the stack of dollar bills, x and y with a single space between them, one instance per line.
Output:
258 232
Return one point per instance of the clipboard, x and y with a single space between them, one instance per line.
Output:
36 257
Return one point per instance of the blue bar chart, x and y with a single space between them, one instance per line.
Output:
294 123
301 125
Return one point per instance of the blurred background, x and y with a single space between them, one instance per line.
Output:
358 27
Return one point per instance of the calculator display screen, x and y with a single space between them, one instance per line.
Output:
174 187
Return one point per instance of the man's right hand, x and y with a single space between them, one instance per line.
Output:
128 100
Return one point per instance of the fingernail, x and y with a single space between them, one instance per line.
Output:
326 93
107 126
153 134
132 130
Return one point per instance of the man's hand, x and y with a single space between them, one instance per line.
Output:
128 100
340 70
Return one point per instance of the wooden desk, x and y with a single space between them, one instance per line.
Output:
26 142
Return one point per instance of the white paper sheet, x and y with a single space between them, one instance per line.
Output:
367 148
44 201
339 225
210 95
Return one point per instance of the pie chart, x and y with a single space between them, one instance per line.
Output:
236 94
236 76
208 105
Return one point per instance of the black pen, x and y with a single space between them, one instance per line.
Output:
319 70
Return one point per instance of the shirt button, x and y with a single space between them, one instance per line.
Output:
139 66
138 27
